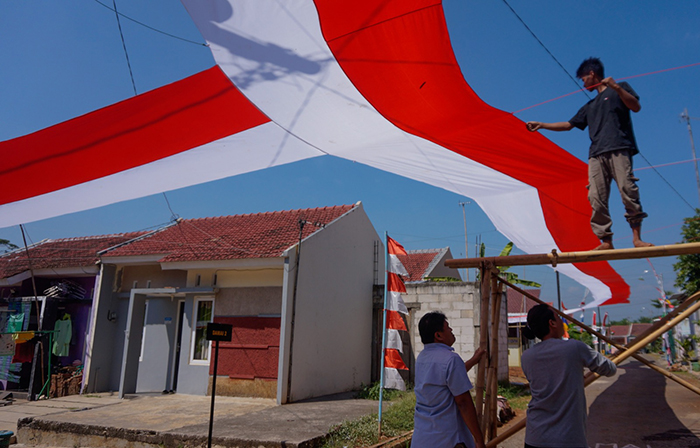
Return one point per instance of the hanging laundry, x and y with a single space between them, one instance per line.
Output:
22 336
7 345
62 337
15 322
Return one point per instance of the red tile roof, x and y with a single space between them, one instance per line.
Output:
515 301
61 253
639 328
259 235
620 330
417 263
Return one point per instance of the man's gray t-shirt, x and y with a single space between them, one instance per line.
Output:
609 122
556 415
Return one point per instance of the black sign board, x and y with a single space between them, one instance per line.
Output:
219 332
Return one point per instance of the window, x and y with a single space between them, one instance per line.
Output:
203 314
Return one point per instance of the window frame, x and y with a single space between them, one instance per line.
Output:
193 337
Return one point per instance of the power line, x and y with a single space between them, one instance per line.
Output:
545 48
126 53
150 27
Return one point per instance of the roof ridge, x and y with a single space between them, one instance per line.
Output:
276 212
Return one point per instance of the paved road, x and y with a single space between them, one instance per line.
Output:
637 408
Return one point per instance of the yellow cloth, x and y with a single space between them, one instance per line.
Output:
22 336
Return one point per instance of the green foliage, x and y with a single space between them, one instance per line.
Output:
511 277
441 279
645 320
518 395
688 266
624 321
585 337
8 246
397 419
371 392
687 345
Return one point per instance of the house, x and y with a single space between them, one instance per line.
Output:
624 334
301 313
431 286
61 289
518 307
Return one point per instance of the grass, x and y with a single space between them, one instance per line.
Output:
397 419
518 396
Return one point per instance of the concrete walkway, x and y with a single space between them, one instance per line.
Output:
181 421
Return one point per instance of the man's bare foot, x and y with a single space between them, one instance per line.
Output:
637 237
640 243
605 245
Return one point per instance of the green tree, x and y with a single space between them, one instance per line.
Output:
505 274
688 266
7 245
624 321
583 336
645 320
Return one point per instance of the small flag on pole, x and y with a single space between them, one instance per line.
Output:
394 307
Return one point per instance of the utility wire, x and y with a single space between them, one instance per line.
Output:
150 27
667 182
545 48
126 53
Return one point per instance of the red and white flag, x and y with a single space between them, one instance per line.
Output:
394 307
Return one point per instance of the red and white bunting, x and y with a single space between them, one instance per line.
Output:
395 306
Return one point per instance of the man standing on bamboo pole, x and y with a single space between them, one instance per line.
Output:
445 414
612 147
556 415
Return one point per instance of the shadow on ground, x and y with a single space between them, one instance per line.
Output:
635 411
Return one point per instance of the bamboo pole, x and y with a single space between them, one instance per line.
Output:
555 258
496 299
639 358
483 341
490 375
631 351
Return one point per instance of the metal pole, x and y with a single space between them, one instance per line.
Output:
213 393
686 117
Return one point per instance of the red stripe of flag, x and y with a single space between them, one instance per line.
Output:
393 360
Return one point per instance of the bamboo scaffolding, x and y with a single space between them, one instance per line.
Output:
483 343
692 305
496 299
622 348
555 258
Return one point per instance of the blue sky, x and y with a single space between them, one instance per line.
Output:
64 59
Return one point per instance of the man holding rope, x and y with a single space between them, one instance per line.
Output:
612 147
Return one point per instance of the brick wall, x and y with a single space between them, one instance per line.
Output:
460 302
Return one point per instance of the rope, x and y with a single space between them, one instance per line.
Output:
620 79
150 27
545 48
126 53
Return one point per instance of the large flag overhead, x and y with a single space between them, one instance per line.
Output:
371 81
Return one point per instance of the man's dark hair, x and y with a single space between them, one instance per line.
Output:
538 321
591 65
430 324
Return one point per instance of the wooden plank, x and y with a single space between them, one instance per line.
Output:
555 258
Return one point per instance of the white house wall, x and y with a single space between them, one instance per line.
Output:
332 339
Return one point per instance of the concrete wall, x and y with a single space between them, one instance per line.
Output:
265 300
143 274
237 278
460 302
106 335
156 362
332 330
